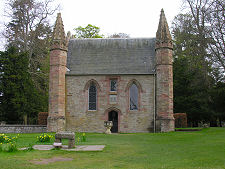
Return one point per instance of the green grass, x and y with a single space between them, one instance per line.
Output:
200 149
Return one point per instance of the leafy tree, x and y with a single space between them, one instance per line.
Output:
90 31
209 22
218 102
191 79
199 60
29 31
19 99
216 21
119 35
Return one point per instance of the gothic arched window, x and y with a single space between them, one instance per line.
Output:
92 97
133 97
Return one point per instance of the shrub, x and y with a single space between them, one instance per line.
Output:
10 147
44 137
180 120
0 147
30 147
80 137
8 144
83 137
2 138
7 139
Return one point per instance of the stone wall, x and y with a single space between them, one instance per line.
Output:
23 129
79 118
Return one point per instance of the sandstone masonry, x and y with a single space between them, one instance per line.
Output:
145 64
79 118
56 118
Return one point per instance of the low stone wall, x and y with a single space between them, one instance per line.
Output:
23 128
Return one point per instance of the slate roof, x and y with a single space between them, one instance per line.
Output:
111 56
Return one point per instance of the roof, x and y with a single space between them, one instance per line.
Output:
111 56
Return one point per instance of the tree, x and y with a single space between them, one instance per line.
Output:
119 35
216 21
19 99
90 31
29 31
191 72
199 60
209 21
218 102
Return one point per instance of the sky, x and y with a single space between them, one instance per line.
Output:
138 18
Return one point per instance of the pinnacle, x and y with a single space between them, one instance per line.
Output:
163 33
58 32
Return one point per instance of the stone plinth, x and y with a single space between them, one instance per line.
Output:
66 135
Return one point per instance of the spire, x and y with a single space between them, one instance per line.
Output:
59 39
163 33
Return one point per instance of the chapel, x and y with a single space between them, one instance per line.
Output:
126 81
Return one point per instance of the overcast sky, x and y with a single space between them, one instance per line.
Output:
138 18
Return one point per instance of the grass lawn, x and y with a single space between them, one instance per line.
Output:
199 149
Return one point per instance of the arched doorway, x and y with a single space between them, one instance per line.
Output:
113 116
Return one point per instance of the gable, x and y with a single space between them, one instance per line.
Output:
111 56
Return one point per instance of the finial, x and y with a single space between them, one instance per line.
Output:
59 38
163 33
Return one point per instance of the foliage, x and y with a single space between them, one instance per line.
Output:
8 143
29 31
191 72
90 31
119 35
30 147
80 137
44 137
19 96
9 147
209 21
83 137
196 69
7 139
217 94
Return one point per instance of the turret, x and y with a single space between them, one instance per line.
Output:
58 54
164 77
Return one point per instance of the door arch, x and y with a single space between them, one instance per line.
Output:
113 116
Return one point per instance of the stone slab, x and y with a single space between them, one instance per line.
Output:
43 147
88 148
64 147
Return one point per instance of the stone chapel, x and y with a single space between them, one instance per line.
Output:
127 81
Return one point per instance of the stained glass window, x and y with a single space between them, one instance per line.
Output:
92 97
113 85
133 97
